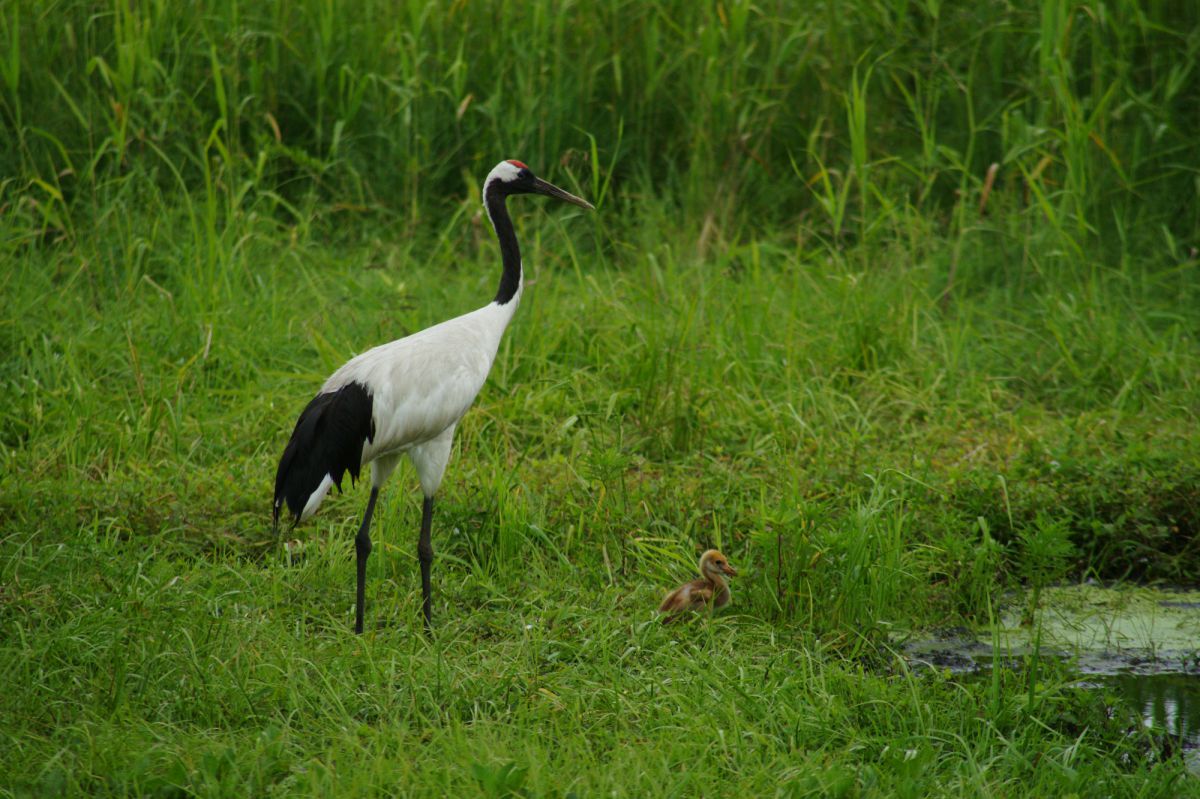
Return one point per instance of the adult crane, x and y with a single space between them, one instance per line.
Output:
407 397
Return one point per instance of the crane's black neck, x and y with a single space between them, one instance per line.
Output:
510 251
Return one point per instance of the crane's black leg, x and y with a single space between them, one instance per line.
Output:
425 554
362 548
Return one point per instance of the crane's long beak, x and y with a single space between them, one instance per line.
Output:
550 190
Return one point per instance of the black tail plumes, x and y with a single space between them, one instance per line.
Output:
328 440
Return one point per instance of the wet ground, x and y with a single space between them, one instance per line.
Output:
1141 643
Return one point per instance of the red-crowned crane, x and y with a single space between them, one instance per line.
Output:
407 397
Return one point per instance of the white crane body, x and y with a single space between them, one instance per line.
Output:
407 396
421 386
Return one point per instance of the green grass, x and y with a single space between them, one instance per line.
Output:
802 326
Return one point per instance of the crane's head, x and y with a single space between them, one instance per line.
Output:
713 562
513 177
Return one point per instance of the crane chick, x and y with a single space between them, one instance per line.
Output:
710 590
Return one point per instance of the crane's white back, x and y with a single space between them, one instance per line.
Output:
424 383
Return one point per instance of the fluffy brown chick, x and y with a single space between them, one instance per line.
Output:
710 590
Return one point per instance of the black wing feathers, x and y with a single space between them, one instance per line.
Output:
328 440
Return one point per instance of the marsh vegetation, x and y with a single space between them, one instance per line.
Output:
897 304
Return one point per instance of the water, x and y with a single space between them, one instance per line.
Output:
1167 703
1141 643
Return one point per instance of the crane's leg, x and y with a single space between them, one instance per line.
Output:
430 460
425 554
362 548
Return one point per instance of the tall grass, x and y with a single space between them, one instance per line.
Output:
1084 106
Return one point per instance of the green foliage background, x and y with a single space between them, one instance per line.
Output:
736 108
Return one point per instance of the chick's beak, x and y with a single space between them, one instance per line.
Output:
550 190
728 569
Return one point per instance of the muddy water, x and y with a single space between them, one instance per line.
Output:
1167 702
1142 643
